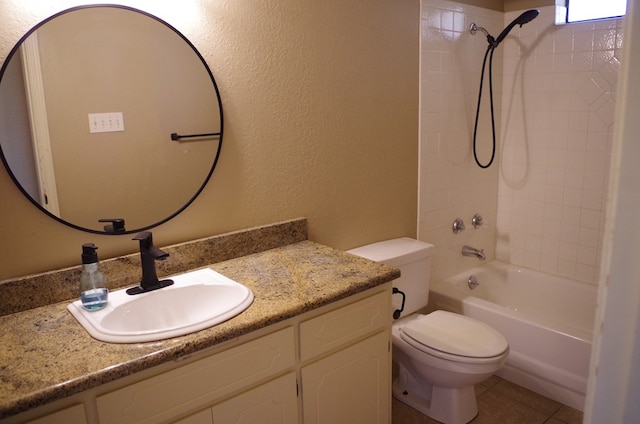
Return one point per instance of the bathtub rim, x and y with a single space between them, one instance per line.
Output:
448 287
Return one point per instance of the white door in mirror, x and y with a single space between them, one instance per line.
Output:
197 300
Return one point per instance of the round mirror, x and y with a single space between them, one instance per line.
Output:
108 115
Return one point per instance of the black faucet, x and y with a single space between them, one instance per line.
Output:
148 256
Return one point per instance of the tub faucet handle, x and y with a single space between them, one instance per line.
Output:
477 221
457 225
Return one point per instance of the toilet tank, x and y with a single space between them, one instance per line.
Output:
413 258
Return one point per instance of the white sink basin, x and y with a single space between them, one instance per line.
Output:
197 300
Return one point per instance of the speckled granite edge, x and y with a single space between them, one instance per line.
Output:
37 290
48 356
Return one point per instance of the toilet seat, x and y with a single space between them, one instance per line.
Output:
454 337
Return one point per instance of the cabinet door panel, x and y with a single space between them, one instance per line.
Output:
351 386
275 402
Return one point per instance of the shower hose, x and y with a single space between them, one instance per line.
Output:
488 53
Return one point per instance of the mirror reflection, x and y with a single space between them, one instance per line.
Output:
88 102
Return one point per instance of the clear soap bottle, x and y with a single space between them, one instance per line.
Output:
93 288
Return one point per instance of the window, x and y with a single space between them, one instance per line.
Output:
584 10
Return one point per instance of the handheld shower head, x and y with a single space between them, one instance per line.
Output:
524 18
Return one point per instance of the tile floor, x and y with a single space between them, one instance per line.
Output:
501 402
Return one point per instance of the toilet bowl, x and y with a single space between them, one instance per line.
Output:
441 355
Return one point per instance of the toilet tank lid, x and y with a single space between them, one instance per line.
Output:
395 252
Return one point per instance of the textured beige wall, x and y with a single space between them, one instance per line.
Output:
321 120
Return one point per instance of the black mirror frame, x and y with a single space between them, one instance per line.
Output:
213 81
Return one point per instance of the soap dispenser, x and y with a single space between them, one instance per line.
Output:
93 289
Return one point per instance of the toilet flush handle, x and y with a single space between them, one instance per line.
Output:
397 312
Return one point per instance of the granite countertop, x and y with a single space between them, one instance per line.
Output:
46 355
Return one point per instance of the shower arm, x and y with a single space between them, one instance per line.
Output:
473 28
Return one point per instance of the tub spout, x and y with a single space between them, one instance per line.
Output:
472 251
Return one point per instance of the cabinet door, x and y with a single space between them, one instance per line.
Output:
351 386
275 402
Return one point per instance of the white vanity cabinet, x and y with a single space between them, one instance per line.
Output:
331 365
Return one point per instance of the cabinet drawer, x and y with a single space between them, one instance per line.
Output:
336 328
199 383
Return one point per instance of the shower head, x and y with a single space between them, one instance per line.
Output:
524 18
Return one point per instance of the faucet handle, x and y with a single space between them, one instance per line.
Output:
146 244
144 235
145 238
477 221
457 226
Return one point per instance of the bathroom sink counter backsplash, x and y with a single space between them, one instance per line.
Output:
46 355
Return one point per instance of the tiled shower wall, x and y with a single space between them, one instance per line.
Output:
559 87
543 200
451 185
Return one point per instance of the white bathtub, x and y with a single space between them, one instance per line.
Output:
547 320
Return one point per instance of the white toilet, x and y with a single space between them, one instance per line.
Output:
440 356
